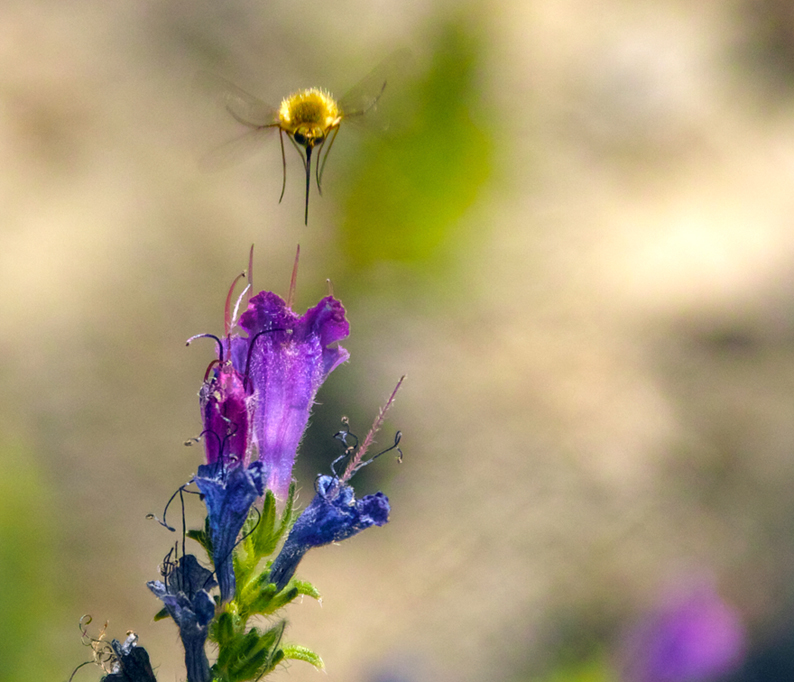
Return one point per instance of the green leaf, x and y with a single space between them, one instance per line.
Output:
162 614
287 518
262 539
301 653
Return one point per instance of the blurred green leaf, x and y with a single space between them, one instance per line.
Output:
412 190
596 669
27 601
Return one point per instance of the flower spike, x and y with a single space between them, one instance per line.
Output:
255 403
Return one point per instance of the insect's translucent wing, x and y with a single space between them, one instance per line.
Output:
243 106
363 98
235 150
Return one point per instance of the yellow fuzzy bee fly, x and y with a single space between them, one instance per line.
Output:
309 118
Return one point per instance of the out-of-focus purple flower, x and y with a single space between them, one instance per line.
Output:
184 594
333 515
694 637
228 495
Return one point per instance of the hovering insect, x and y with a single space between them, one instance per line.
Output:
309 118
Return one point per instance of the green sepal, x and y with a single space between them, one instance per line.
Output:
249 656
287 518
262 539
256 595
307 589
264 529
269 602
162 614
224 628
259 595
301 653
262 533
295 589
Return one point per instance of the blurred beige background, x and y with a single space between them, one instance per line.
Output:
576 241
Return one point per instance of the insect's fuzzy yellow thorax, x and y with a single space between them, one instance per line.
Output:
309 113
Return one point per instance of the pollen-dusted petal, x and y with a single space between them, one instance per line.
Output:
332 516
228 495
286 360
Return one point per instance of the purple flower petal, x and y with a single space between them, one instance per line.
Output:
224 409
285 359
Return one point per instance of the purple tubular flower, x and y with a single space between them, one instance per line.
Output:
285 359
184 593
228 495
225 413
255 405
333 515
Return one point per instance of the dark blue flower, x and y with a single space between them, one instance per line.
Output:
132 662
228 495
333 515
184 593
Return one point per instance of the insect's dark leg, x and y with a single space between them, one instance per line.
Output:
283 165
325 156
317 166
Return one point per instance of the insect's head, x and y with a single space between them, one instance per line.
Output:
309 135
309 116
